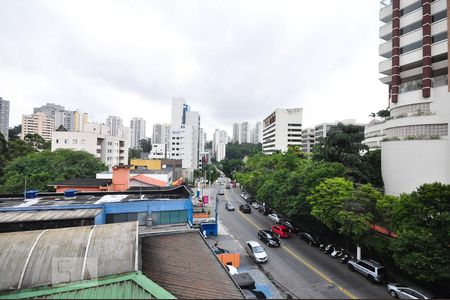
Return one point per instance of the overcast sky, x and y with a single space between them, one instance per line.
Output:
231 60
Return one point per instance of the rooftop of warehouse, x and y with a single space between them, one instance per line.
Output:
54 256
46 199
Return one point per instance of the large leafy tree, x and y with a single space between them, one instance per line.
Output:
327 200
41 169
422 221
13 133
37 141
145 145
343 145
239 151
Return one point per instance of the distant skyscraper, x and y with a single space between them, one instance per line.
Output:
4 117
256 134
70 120
219 144
236 132
160 133
184 135
137 131
244 135
116 125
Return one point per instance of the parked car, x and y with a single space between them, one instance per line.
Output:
256 252
255 205
221 192
274 217
242 195
232 270
229 206
371 269
290 226
401 291
265 210
281 231
269 238
311 240
245 208
227 187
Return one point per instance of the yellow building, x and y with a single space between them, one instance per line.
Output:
149 164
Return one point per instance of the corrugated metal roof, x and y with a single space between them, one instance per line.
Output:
184 265
47 215
126 286
91 182
29 258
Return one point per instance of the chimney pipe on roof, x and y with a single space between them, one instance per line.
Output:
121 178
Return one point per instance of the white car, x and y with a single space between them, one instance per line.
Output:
255 205
274 218
232 270
256 251
398 290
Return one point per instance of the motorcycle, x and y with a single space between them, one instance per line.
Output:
337 253
345 258
322 246
329 249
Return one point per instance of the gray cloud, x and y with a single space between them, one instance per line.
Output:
231 60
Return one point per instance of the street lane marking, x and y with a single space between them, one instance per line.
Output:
303 261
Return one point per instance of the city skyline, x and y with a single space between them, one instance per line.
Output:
141 73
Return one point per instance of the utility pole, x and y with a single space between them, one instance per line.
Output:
217 208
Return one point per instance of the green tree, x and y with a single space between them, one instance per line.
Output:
145 145
422 221
37 142
13 133
229 166
384 113
371 167
327 200
239 151
18 148
133 153
41 169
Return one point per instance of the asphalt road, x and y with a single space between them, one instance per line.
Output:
301 270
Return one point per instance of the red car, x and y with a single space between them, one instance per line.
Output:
281 231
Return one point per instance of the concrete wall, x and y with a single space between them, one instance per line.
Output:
408 164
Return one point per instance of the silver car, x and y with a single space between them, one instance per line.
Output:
274 217
398 290
371 269
256 252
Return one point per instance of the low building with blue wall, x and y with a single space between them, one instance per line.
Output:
152 207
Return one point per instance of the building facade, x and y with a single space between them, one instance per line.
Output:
414 139
219 144
281 129
307 140
159 151
236 132
37 123
161 133
115 124
244 132
97 140
137 126
4 117
185 136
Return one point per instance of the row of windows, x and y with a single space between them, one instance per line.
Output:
412 108
415 85
416 45
294 124
412 7
74 141
418 130
295 135
297 130
294 140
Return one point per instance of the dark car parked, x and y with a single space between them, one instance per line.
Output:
311 240
291 227
245 208
269 238
265 210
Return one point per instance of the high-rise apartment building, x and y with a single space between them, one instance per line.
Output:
37 123
281 129
236 132
322 130
185 136
137 131
414 139
115 124
70 120
308 140
202 140
256 134
244 133
161 133
219 144
4 117
97 140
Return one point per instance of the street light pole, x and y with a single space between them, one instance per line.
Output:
217 208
